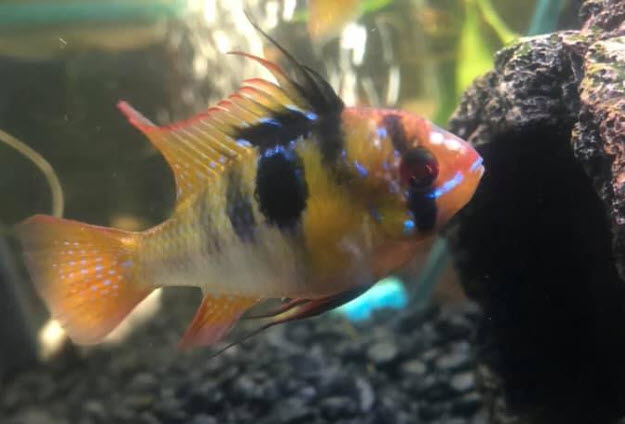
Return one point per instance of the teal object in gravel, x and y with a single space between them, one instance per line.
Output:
389 293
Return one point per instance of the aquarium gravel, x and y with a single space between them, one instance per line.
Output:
411 366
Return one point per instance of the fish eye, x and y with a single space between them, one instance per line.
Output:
418 168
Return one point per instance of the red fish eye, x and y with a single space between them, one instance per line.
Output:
418 168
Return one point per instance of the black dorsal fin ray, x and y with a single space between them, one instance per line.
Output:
312 86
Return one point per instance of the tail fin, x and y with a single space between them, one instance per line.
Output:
84 273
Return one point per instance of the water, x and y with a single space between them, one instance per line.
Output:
515 318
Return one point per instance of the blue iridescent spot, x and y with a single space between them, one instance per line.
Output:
275 150
361 169
447 186
409 227
243 142
381 132
312 116
270 121
476 164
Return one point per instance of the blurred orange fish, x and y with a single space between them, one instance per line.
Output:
326 18
282 192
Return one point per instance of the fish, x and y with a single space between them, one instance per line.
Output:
326 18
282 193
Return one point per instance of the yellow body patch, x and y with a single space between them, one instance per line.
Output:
330 214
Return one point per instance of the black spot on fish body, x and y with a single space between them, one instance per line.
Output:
423 208
281 189
280 129
330 137
239 209
208 227
321 118
277 129
395 130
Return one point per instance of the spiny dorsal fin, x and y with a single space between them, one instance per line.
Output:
259 114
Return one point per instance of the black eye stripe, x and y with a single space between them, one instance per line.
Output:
395 130
423 208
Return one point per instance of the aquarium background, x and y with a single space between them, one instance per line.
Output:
64 65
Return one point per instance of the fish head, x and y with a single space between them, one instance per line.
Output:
414 175
438 169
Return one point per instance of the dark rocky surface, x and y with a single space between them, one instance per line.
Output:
542 245
401 367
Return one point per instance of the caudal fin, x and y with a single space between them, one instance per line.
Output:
84 273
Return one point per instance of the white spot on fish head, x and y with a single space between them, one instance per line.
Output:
453 145
436 137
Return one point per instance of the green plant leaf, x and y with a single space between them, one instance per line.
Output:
474 54
492 18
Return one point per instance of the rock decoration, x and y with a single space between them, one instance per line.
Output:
542 246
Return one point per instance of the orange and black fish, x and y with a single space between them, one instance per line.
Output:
282 192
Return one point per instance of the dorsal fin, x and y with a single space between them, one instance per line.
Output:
259 114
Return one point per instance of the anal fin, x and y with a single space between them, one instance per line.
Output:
214 318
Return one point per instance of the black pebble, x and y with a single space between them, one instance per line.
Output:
337 407
312 372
